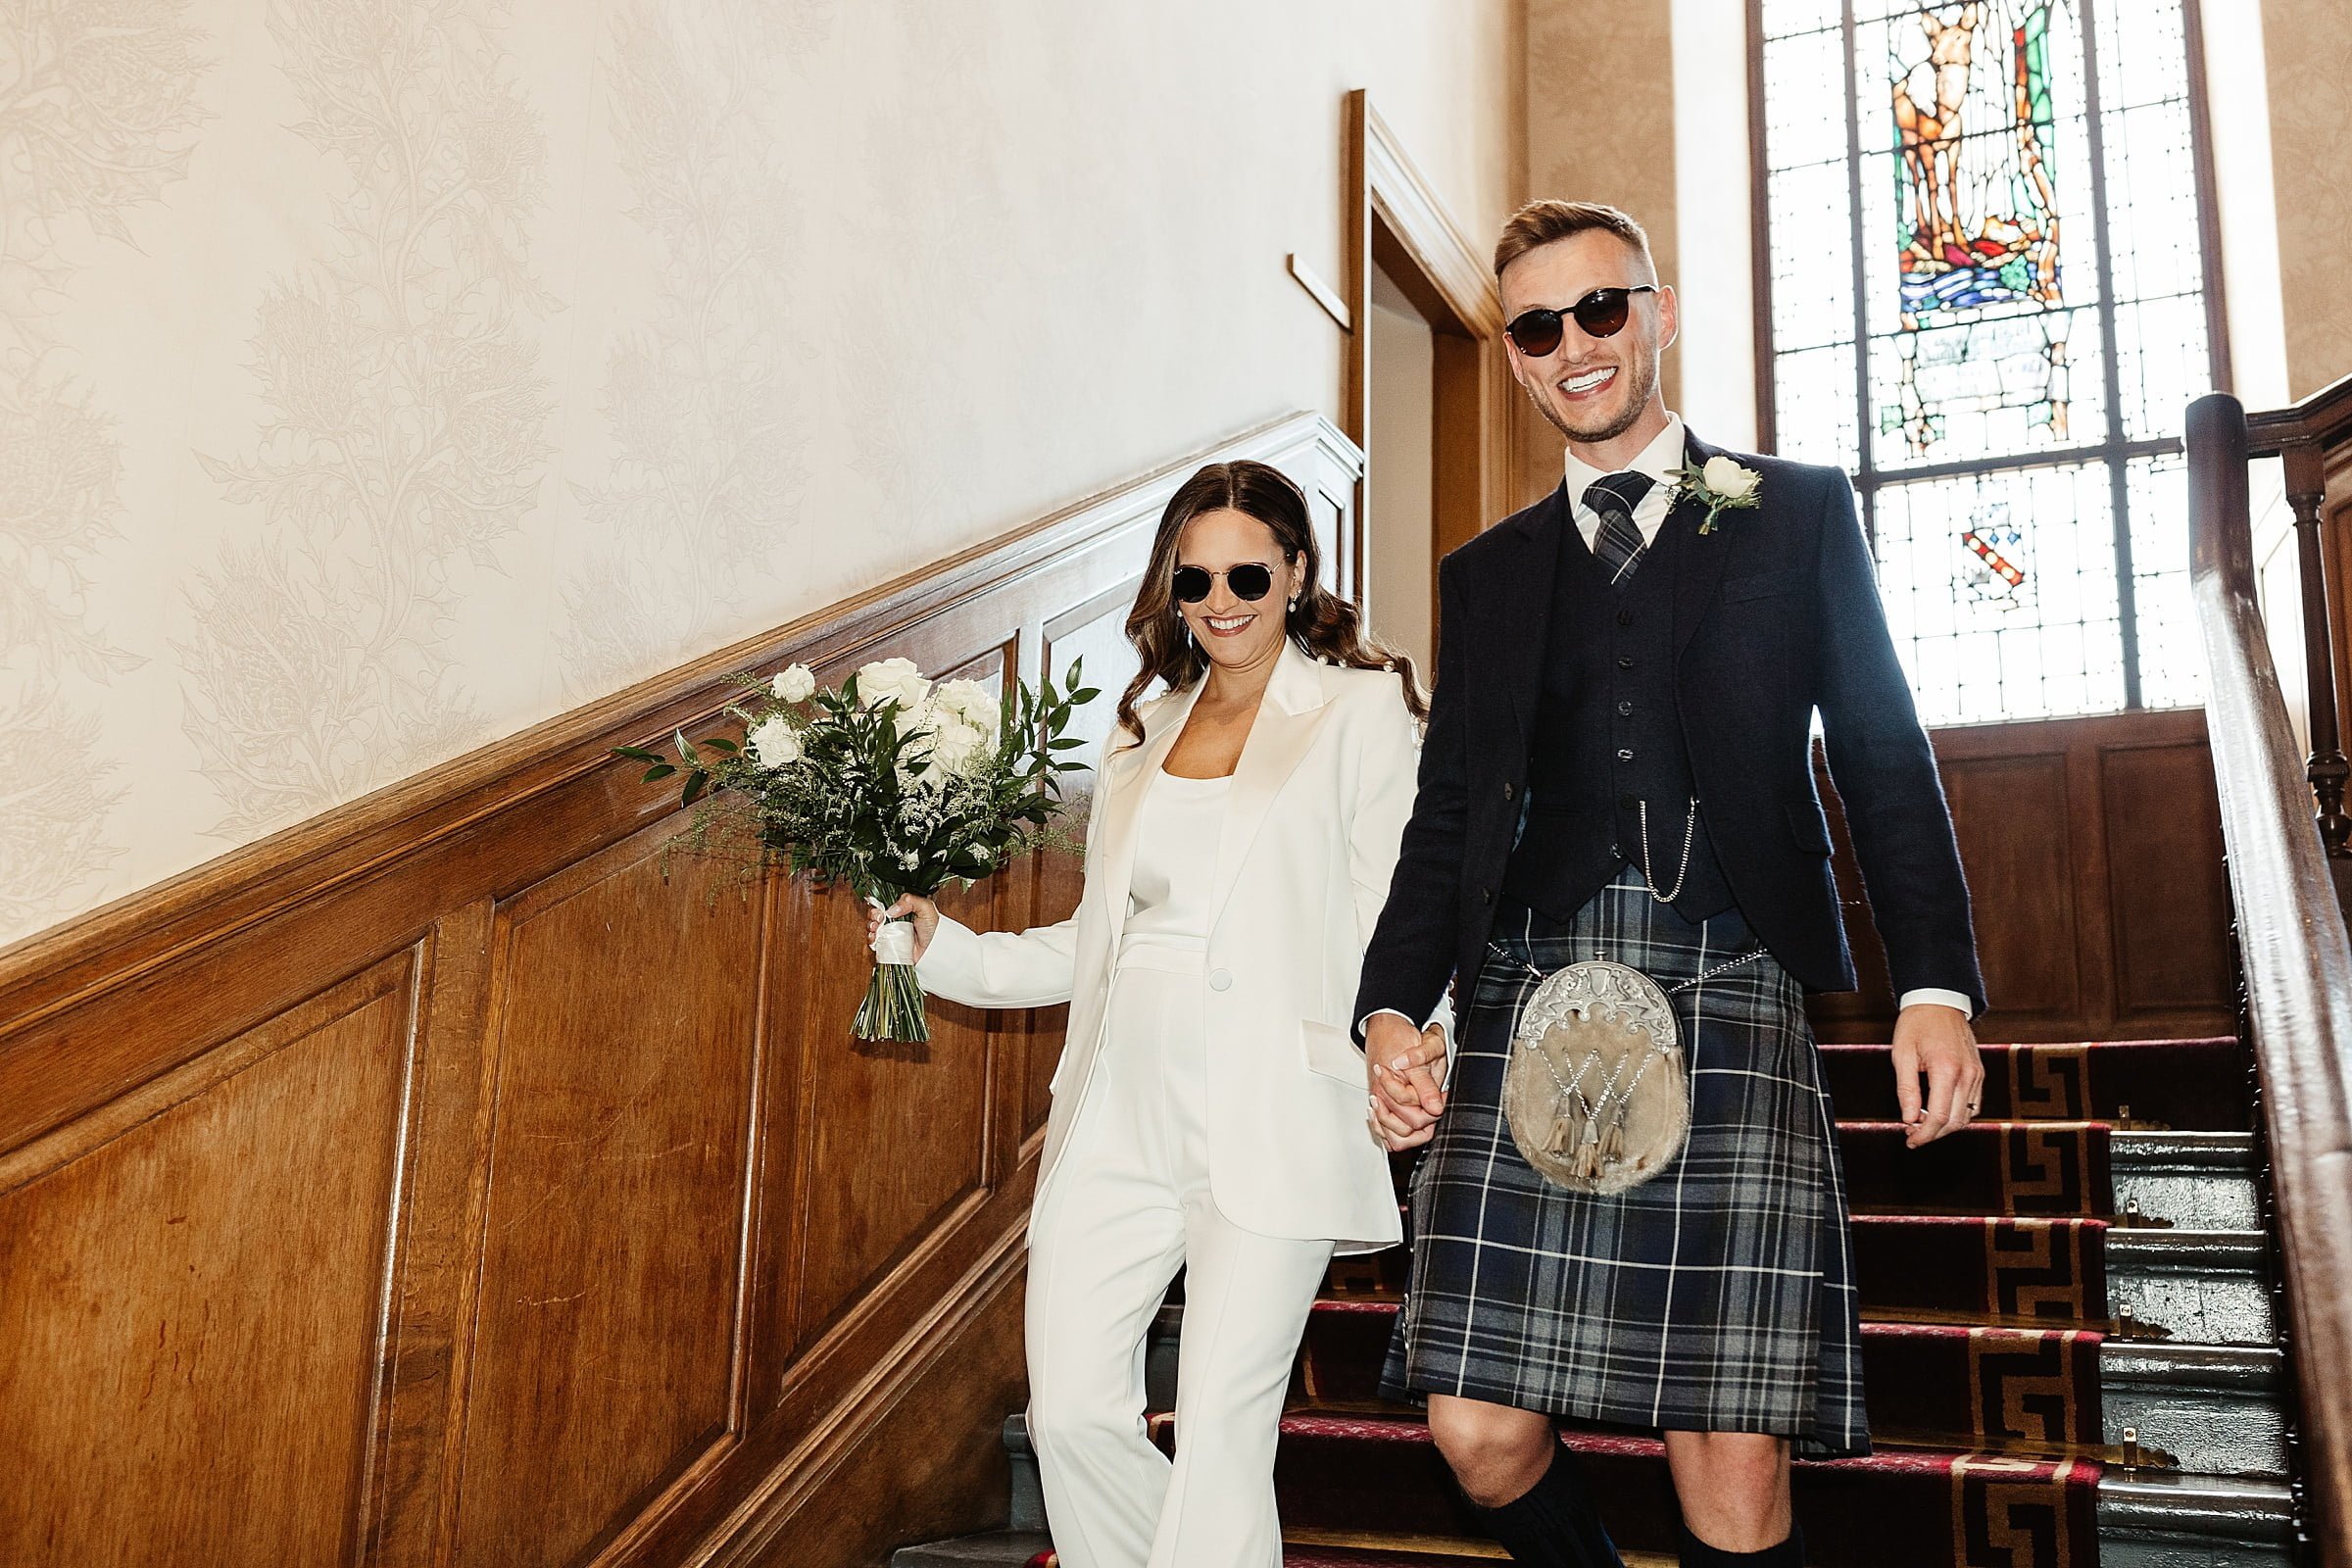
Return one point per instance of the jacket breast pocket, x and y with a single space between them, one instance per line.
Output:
1808 828
1332 1053
1761 585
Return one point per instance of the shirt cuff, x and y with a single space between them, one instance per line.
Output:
1940 998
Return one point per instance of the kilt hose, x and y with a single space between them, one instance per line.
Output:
1718 1296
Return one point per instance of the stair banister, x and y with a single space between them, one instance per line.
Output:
2301 437
2296 955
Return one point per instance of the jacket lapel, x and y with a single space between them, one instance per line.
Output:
1289 717
1526 605
1700 569
1126 779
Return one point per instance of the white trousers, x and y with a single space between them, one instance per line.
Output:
1130 1204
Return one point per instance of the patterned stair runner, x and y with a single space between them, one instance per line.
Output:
1983 1264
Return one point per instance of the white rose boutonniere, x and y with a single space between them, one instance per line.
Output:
1723 484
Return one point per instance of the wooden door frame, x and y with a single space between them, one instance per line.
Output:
1397 221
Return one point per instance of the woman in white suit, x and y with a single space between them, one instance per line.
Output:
1209 1110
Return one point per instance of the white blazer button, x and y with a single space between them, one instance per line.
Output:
1219 980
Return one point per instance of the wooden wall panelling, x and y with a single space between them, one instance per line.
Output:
594 1237
2027 859
608 1335
2093 854
412 1456
2169 886
191 1293
894 1464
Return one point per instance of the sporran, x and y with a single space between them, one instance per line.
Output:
1596 1091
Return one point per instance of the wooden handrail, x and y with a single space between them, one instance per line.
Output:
2324 419
2296 954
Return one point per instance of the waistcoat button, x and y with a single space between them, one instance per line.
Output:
1624 754
1625 618
1624 709
1219 980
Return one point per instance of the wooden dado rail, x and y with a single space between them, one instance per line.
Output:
455 1179
2295 951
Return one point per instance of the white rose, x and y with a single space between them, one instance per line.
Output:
775 743
955 746
794 685
889 680
971 702
1730 479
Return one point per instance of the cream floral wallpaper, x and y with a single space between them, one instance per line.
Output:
2307 52
378 377
98 115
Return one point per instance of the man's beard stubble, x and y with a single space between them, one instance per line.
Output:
1643 372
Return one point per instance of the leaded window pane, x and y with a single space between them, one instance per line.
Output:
2030 326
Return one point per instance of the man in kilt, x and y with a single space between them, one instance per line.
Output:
1618 766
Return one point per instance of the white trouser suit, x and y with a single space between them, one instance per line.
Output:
1208 1111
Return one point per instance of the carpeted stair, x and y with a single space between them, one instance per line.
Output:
2084 1254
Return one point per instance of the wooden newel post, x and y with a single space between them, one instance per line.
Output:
2306 491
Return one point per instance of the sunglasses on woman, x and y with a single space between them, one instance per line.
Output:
1249 581
1599 314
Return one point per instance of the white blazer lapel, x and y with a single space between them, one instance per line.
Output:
1279 737
1126 778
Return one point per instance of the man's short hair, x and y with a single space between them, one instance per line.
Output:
1539 224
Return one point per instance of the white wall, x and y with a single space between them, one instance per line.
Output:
378 377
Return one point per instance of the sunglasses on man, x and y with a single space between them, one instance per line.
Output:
1601 314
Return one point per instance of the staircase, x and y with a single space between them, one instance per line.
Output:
2069 1349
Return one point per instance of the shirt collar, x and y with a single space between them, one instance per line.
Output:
1663 455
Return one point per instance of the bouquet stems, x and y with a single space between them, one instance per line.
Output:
893 1009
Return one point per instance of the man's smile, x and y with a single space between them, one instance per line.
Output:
1588 384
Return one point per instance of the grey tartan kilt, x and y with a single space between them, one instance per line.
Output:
1716 1297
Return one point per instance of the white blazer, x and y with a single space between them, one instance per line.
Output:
1312 818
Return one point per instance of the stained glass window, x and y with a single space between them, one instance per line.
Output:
1990 302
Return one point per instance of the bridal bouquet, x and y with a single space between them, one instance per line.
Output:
890 784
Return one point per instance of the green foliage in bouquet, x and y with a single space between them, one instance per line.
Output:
888 784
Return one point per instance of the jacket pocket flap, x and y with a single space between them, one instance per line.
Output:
1332 1053
1762 585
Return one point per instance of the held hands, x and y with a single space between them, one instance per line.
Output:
1403 1067
926 920
1934 1042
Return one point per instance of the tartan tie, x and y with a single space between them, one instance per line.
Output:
1618 545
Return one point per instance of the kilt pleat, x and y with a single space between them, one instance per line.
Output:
1718 1296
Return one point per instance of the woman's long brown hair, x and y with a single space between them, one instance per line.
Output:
1326 626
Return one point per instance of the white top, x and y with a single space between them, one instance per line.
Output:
1175 860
